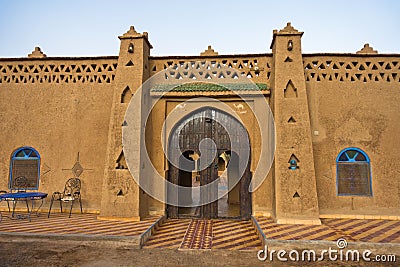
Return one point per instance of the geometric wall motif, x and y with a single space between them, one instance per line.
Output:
360 69
121 162
44 72
291 120
296 195
252 68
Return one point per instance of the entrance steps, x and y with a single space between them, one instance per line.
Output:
202 234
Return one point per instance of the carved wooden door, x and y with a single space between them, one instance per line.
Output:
205 133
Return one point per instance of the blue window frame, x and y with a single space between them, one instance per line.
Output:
25 161
353 172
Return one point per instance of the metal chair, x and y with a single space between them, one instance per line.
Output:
71 193
19 185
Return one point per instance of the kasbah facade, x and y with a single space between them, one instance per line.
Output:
336 119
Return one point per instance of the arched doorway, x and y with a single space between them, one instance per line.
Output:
221 170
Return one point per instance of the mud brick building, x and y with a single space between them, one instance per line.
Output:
335 116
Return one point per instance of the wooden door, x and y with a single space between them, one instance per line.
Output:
188 134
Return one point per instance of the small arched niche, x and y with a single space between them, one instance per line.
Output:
126 95
290 90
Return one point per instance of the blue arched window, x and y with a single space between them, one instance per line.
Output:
25 161
353 173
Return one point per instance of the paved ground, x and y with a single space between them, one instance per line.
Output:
48 242
86 224
20 251
374 231
224 233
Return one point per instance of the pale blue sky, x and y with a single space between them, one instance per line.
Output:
90 28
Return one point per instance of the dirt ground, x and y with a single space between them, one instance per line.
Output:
22 251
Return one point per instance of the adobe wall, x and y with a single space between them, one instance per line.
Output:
354 102
60 107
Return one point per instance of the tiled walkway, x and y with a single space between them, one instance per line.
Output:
198 235
376 231
85 224
186 234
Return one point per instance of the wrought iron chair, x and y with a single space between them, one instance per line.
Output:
19 185
71 193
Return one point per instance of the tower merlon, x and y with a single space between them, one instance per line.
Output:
288 30
133 34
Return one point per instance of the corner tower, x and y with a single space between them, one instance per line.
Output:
295 184
121 196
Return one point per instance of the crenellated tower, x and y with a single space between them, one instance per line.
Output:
295 183
121 195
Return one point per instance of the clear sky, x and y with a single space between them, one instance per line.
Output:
91 28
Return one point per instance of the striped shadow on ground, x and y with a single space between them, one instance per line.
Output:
375 231
85 224
353 230
273 230
169 235
235 235
205 234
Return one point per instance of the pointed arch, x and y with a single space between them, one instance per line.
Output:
290 90
126 95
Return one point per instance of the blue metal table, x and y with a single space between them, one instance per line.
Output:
23 196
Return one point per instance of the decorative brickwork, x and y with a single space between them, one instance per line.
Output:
257 67
58 71
352 69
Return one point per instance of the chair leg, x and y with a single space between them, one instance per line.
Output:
8 205
80 203
70 210
13 209
51 204
61 205
27 205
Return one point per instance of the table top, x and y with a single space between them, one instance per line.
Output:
23 195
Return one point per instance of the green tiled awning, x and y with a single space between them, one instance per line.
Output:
209 87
